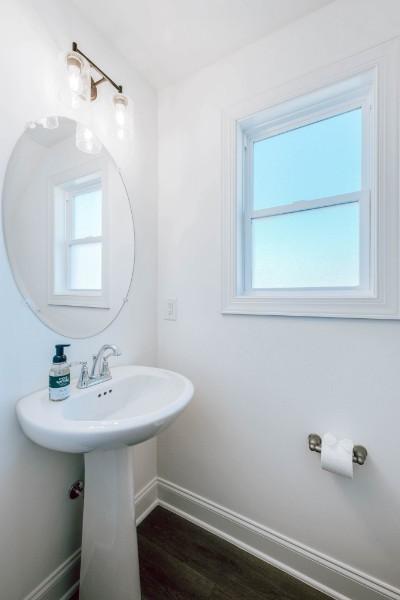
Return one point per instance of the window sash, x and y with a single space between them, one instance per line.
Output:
362 199
283 125
71 241
313 113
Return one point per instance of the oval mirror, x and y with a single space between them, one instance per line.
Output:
68 228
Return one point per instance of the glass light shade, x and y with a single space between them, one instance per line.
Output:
86 141
78 79
121 115
75 69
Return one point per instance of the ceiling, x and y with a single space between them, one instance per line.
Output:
167 40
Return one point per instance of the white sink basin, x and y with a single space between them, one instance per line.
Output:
131 407
102 421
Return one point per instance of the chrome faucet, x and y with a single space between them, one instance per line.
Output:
100 370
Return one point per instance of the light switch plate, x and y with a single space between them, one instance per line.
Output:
171 306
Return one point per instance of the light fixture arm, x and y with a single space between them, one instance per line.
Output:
104 76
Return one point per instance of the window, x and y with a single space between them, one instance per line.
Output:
78 274
303 212
310 207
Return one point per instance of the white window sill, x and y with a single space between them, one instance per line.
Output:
351 307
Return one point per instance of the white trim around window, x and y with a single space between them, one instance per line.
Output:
368 81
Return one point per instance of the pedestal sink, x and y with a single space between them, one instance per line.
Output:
102 422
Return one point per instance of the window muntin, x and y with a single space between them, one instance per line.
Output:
285 174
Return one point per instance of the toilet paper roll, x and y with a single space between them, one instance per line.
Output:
337 455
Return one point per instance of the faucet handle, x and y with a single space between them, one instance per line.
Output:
94 359
83 376
105 368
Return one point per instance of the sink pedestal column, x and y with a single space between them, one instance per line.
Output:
110 565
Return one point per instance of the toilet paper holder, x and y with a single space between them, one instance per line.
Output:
359 452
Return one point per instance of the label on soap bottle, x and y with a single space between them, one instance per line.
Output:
59 386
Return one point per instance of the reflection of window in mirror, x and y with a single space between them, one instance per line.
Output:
77 240
84 236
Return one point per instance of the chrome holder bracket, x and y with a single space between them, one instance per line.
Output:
359 452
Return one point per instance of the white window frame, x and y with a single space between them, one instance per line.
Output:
368 81
66 185
313 114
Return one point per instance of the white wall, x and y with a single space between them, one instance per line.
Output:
264 383
39 526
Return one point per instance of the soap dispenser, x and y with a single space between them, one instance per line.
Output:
60 375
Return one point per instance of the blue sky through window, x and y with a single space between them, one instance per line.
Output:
311 248
315 161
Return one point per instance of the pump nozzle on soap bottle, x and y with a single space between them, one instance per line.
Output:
60 375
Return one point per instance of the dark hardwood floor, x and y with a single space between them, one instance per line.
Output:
181 561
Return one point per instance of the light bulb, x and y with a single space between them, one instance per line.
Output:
86 141
121 114
74 78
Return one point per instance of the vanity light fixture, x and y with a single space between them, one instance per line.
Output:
83 85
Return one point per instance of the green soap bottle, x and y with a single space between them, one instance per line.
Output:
60 375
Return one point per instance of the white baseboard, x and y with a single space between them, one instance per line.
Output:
146 500
70 593
62 583
322 572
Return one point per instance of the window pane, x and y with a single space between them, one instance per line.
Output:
86 266
87 214
311 248
315 161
